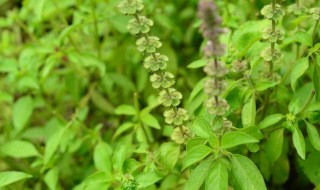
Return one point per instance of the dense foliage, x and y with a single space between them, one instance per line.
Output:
143 94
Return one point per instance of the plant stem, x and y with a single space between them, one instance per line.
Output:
96 30
273 31
314 33
306 105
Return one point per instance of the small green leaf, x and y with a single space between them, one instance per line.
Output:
217 178
298 142
235 138
52 145
299 69
22 111
201 127
196 154
316 80
294 106
245 174
274 146
197 64
147 179
9 177
102 157
198 176
252 131
100 102
303 37
51 178
149 119
125 110
169 154
118 157
122 128
19 149
313 136
270 120
248 114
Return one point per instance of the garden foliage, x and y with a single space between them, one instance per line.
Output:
142 94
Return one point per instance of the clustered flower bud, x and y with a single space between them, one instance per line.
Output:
181 135
239 66
155 63
210 27
315 13
216 71
272 54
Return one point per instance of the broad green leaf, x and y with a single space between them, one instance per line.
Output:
102 157
299 69
252 131
9 177
196 154
197 89
147 179
281 170
270 120
52 145
118 157
122 128
198 176
294 106
169 154
19 149
101 102
245 174
248 114
39 9
197 64
96 179
22 111
125 110
194 142
201 127
217 178
303 37
274 146
149 119
51 178
313 136
235 138
298 142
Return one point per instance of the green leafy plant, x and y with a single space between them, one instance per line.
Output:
92 99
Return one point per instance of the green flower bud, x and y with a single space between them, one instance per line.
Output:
165 81
216 71
269 13
175 117
268 56
217 108
141 26
148 44
214 87
130 7
315 13
169 97
181 135
155 62
276 36
239 65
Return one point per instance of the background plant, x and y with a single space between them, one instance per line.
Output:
78 110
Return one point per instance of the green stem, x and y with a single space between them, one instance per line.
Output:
306 105
273 31
96 30
314 33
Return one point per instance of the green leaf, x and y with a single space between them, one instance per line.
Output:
52 145
51 178
303 37
313 136
198 176
96 178
201 127
100 102
196 154
102 157
19 149
245 174
149 119
217 178
298 142
316 80
169 154
248 114
274 146
270 120
299 69
294 106
235 138
22 111
118 157
197 64
125 110
252 131
147 179
39 9
9 177
122 128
